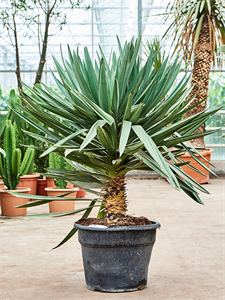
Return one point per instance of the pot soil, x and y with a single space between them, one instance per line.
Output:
29 181
193 174
8 202
61 206
41 186
116 259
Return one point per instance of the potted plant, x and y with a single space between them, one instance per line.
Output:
29 179
197 31
119 120
60 187
11 169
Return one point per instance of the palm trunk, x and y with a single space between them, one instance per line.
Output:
115 198
200 76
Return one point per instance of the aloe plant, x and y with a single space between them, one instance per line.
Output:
119 117
58 162
11 167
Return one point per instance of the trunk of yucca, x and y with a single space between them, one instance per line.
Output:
115 197
200 76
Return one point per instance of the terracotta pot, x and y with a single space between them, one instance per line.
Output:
8 202
29 181
50 182
41 186
2 185
61 206
81 193
69 185
193 174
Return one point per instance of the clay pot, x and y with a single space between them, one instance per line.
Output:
81 193
1 185
61 206
41 186
29 181
50 182
8 202
69 185
193 174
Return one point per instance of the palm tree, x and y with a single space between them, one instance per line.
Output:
198 28
111 118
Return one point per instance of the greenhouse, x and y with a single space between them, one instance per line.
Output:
112 116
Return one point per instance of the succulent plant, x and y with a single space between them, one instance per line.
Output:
58 162
11 168
120 115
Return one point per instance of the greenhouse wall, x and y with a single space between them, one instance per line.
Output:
95 23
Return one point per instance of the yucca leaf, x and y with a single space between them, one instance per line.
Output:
125 132
133 148
95 108
127 112
187 178
115 98
92 133
105 140
103 89
155 153
63 141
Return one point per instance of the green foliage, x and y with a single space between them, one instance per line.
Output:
11 167
39 164
158 52
58 162
94 134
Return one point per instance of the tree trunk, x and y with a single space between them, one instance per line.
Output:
18 75
115 197
200 76
44 51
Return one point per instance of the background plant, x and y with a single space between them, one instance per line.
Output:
157 47
11 166
197 29
58 162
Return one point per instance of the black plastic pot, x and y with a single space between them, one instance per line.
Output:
116 259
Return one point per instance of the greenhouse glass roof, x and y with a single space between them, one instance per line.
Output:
84 27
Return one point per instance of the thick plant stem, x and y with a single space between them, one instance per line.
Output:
200 77
115 196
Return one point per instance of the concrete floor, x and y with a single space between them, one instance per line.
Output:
187 262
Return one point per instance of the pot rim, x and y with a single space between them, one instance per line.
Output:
49 189
121 228
203 153
19 190
33 175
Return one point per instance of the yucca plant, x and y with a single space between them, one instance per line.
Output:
119 121
11 167
197 29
